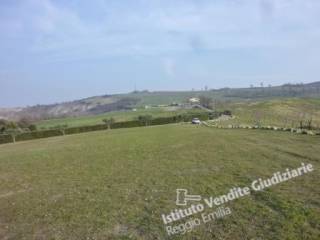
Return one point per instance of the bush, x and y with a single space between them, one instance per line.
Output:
32 127
227 112
213 115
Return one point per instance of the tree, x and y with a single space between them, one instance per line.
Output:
286 120
145 119
301 119
13 130
2 129
12 125
3 125
257 117
108 122
205 101
309 123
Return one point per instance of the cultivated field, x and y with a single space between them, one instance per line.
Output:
116 184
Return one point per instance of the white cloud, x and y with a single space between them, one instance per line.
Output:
157 27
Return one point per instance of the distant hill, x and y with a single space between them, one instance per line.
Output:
101 104
314 84
88 106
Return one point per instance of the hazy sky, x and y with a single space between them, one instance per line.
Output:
58 50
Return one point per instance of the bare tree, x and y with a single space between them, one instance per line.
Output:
205 101
257 117
286 120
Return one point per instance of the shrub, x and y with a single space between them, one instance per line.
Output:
310 132
227 112
32 127
213 115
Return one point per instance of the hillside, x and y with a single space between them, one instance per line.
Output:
88 106
108 103
285 112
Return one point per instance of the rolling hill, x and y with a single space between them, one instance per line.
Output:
107 103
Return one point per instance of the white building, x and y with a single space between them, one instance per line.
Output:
194 100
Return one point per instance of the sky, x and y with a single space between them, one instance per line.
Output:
56 50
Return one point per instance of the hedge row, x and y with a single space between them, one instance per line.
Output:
128 124
5 138
82 129
38 134
162 121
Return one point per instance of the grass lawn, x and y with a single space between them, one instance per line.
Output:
116 184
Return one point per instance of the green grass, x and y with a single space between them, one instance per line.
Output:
117 115
116 184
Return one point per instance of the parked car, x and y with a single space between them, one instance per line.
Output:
195 121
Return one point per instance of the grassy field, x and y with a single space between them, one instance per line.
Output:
117 115
116 184
276 112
